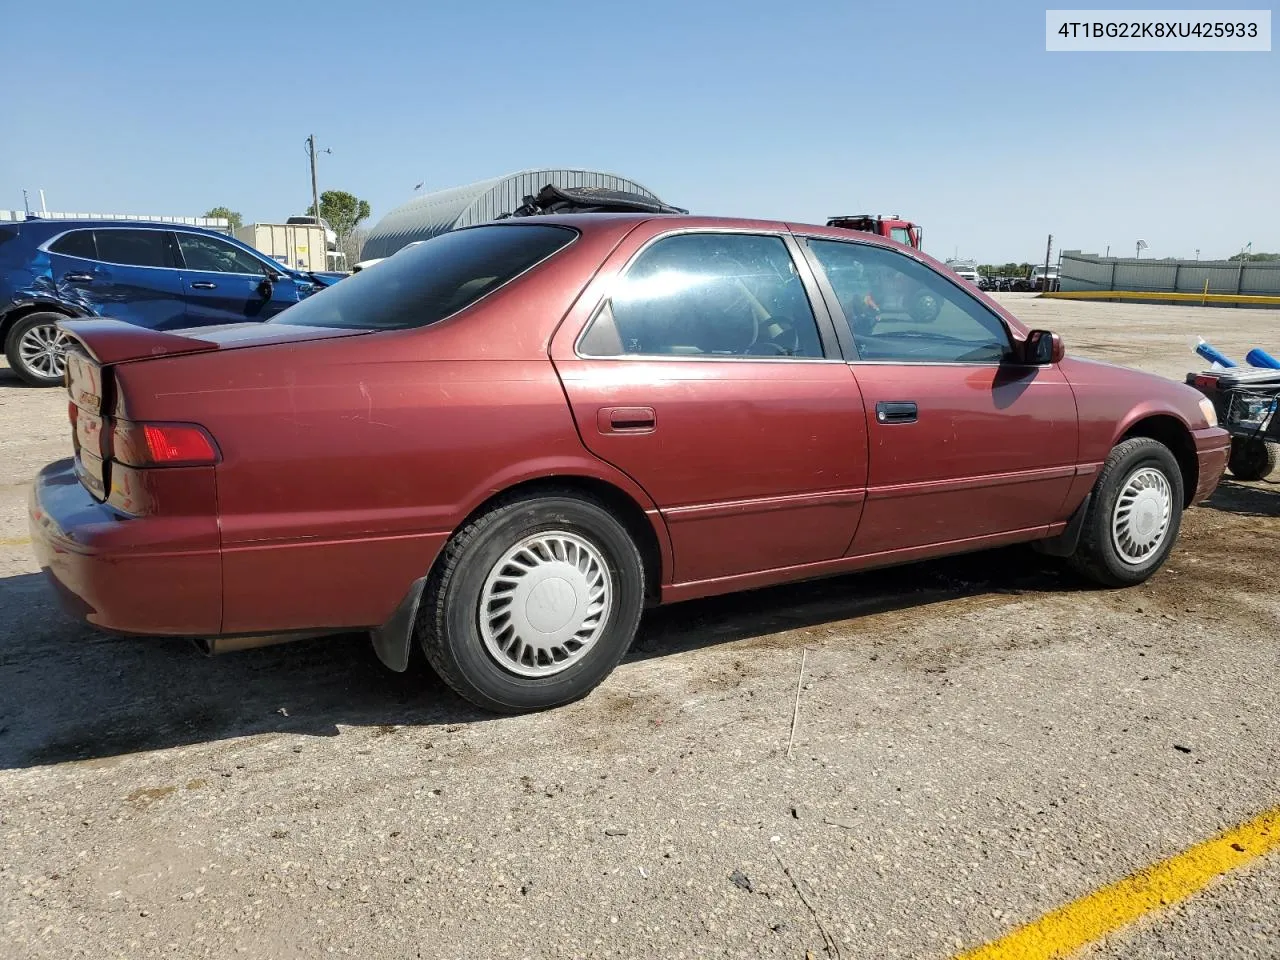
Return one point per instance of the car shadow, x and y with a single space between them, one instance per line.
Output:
1247 500
73 694
10 379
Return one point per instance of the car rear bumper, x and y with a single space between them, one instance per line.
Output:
1213 448
123 573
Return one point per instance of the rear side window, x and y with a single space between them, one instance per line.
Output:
133 248
216 256
705 295
430 281
77 243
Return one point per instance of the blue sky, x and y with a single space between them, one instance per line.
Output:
789 110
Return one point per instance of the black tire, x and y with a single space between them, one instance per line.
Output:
1096 555
1251 458
30 375
448 625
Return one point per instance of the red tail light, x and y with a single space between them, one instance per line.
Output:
162 445
174 443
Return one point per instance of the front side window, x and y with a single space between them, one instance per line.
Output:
708 295
902 311
901 235
77 243
216 256
133 248
430 281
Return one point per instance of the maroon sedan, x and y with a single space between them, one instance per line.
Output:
506 441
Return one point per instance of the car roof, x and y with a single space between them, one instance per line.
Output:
59 225
624 222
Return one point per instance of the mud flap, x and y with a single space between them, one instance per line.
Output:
391 640
1064 544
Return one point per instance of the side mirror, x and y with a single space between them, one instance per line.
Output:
265 289
1042 347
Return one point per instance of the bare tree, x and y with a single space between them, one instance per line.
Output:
351 244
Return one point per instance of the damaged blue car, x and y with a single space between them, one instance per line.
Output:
157 275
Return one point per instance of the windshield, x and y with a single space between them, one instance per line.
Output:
429 281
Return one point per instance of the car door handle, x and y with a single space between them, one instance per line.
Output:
896 411
204 285
78 277
626 420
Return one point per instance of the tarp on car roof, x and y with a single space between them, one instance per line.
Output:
430 214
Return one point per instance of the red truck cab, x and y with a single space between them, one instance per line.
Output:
891 228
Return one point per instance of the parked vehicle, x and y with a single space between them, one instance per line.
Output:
503 443
965 271
297 245
1041 278
159 276
891 228
1247 400
330 235
366 264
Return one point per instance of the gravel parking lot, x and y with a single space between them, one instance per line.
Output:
979 740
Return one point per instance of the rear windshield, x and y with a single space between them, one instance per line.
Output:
432 280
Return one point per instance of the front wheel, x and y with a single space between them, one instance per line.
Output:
533 604
37 349
1133 517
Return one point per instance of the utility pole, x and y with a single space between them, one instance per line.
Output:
1048 249
26 203
315 191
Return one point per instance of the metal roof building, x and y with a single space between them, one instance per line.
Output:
433 213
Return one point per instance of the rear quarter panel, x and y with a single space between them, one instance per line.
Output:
347 463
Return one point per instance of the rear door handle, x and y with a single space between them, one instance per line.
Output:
78 277
626 420
896 411
204 285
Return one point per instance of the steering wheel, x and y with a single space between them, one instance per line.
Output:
779 335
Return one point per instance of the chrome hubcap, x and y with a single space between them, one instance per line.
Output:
545 604
1141 518
43 350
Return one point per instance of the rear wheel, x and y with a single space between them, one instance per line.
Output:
1133 517
1251 458
37 349
533 604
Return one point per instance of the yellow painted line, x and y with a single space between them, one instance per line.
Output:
1243 299
1097 914
14 541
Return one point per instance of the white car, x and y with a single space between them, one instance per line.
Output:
965 271
365 264
1038 275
